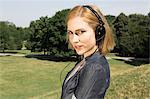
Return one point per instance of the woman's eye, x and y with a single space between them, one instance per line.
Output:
69 32
81 32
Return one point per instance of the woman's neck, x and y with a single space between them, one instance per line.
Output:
91 51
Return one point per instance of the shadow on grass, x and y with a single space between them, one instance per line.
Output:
51 58
136 61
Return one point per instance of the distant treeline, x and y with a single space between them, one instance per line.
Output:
48 34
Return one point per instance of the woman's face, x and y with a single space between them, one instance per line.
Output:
81 36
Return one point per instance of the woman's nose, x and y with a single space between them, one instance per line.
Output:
75 38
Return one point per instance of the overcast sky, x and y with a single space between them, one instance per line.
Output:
22 12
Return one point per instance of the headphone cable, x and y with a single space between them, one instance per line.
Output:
62 72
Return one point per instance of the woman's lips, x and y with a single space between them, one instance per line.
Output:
78 47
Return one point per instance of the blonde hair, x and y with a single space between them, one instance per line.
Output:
107 43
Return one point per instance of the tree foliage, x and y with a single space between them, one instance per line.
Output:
132 34
48 34
9 36
57 38
12 37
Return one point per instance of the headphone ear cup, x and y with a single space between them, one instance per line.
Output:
99 32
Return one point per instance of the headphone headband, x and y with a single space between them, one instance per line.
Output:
95 13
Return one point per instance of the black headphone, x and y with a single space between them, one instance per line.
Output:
100 29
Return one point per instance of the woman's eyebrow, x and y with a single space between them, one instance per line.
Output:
79 29
69 31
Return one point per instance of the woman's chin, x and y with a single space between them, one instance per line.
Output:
80 52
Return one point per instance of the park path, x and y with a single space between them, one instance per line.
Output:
9 54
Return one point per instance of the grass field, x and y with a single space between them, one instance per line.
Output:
30 78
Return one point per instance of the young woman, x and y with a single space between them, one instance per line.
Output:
89 34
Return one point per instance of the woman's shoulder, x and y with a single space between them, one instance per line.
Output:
95 64
96 61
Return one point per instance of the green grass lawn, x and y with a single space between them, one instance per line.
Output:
29 78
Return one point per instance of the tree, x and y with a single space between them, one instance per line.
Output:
49 34
121 31
4 35
57 39
37 29
132 35
10 37
139 29
110 19
149 14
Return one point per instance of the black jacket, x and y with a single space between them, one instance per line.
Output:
91 82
